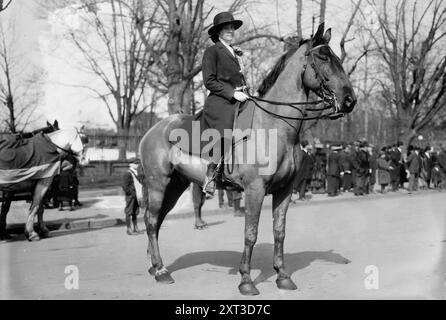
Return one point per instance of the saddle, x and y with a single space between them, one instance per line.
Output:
23 159
242 123
241 127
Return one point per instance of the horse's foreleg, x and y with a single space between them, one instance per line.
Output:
281 201
255 194
3 213
198 198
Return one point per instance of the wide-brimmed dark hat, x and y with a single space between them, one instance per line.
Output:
224 18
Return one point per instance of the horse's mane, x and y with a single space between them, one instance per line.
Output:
272 76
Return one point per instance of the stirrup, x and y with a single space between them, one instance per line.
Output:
209 186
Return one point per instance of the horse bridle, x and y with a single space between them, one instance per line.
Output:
70 152
325 92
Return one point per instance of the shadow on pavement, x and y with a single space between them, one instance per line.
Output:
262 257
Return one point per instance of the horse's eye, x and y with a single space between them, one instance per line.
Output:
323 57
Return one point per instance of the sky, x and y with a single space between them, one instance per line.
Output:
38 38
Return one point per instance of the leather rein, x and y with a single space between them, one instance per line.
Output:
327 94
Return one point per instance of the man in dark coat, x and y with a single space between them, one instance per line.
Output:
346 168
131 200
222 76
372 170
353 160
396 162
362 166
318 179
441 161
413 163
333 171
427 165
305 172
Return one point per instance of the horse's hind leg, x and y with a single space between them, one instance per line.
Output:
43 230
3 213
198 198
161 201
36 204
281 200
255 194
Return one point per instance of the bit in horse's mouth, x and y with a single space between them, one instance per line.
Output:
336 115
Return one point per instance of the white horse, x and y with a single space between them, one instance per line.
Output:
64 141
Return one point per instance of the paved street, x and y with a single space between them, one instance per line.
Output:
399 239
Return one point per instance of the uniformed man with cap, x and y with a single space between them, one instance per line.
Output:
130 185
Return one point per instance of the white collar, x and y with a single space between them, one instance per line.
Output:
231 50
134 171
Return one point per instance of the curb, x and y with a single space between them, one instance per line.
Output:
95 224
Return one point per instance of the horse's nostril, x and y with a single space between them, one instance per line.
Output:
349 102
348 99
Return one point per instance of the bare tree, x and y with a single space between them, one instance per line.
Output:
411 46
114 53
19 88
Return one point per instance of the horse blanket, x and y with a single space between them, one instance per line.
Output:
24 159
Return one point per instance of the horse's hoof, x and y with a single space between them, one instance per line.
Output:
33 236
201 226
162 275
248 289
164 278
286 284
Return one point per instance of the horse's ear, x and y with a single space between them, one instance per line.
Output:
56 124
48 124
318 37
327 36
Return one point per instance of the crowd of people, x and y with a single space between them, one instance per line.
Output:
358 167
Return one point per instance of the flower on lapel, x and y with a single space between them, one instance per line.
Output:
238 51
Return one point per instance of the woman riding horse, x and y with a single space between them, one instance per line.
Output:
311 66
223 77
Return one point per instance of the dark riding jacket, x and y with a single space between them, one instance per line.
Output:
221 75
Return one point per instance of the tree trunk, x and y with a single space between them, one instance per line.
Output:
299 18
10 106
123 137
178 101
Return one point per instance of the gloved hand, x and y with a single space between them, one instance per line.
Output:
240 96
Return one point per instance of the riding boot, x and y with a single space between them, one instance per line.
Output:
209 182
238 211
128 222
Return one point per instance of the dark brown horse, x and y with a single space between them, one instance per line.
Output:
310 67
